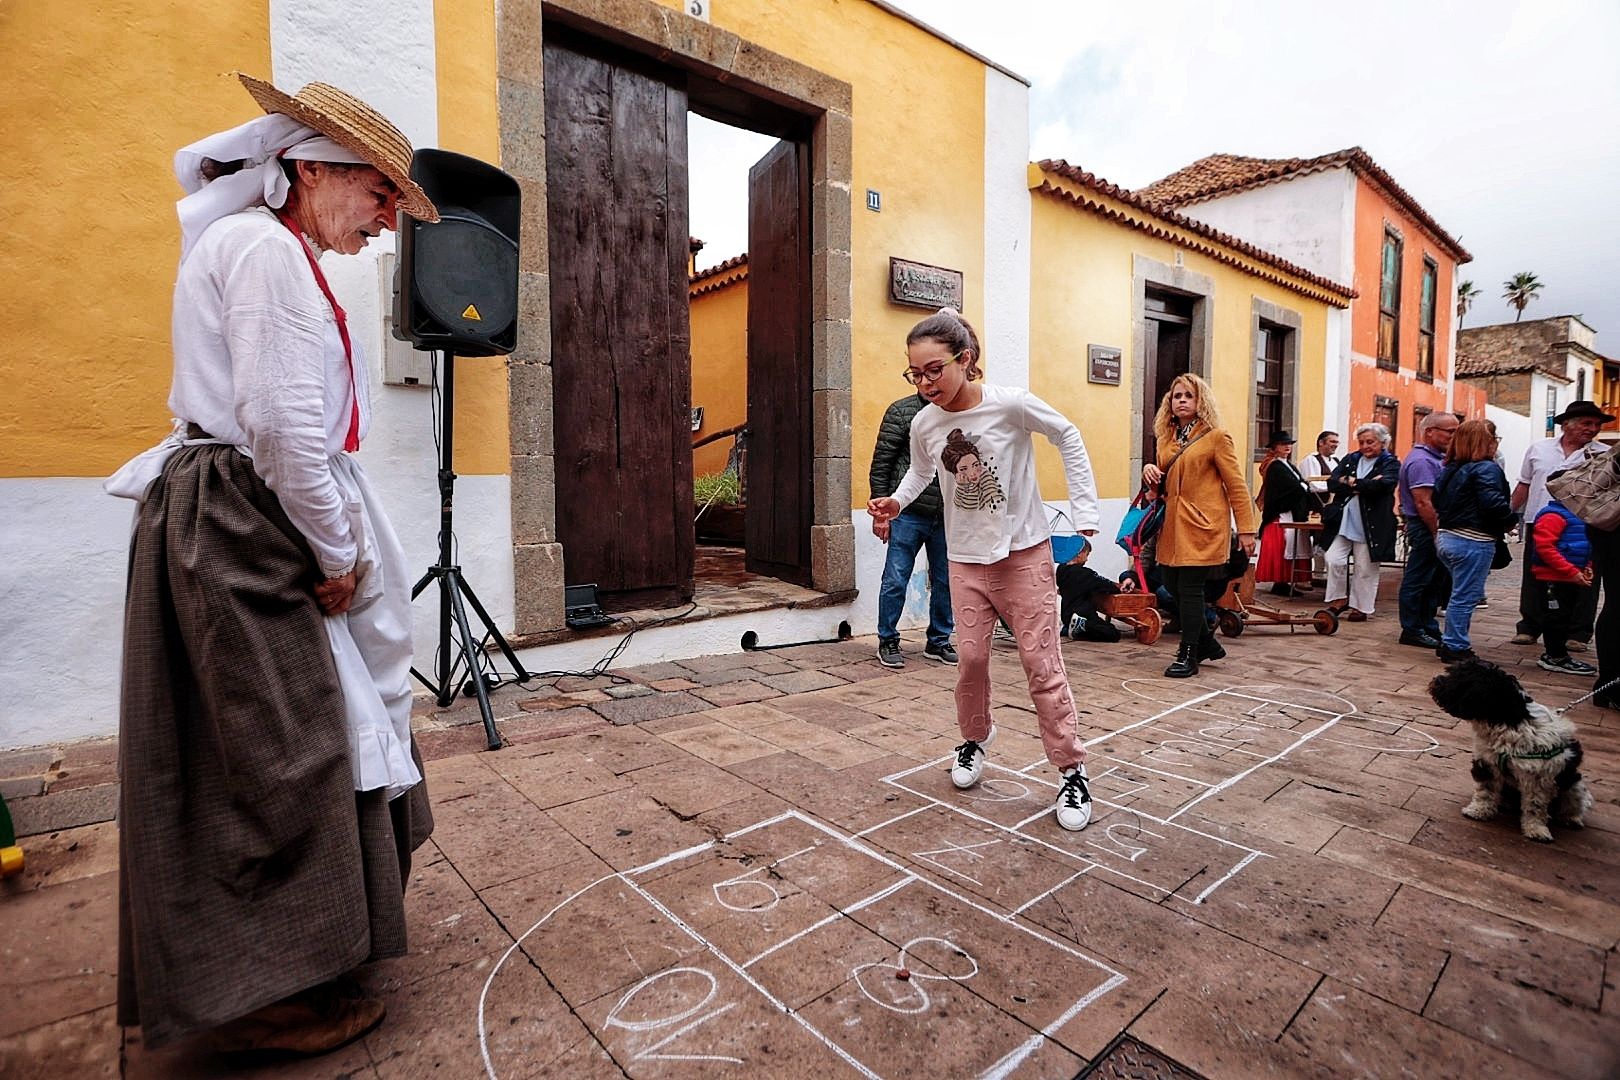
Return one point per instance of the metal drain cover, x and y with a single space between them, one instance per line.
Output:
1128 1059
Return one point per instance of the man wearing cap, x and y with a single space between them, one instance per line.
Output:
1579 425
271 791
1425 581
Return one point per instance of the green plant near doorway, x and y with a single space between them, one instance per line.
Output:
719 515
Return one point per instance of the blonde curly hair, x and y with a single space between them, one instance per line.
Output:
1164 423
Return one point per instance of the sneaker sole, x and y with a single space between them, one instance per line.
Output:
1556 670
895 663
1073 828
941 659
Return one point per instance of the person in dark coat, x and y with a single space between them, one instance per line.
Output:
1473 509
920 526
1285 556
1360 522
1081 592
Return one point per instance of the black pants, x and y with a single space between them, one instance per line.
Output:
1563 599
1186 584
1606 558
1533 602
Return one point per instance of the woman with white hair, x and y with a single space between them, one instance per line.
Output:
1360 522
271 791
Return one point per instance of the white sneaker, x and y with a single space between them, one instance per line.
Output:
1074 799
970 761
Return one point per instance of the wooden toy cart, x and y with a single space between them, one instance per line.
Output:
1237 608
1139 610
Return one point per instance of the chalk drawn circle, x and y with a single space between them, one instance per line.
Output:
993 796
951 954
614 1020
889 982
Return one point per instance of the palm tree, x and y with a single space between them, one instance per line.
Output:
1467 293
1519 290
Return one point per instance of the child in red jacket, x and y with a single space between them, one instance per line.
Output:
1561 563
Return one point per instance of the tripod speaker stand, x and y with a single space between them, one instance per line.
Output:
457 293
453 587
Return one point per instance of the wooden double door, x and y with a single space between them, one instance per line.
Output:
617 194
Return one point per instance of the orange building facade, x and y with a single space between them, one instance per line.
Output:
1342 216
1403 320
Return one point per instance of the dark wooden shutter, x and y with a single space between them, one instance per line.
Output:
616 192
779 512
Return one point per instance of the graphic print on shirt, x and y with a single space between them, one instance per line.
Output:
976 485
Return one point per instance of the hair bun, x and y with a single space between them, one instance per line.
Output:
949 311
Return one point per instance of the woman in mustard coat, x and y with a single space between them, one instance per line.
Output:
1204 493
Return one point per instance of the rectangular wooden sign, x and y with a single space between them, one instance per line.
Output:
1104 364
921 285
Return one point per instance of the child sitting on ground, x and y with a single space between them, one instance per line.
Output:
1082 590
1560 564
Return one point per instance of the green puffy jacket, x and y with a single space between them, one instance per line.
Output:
891 458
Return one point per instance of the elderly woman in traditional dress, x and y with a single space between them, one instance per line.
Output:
271 791
1361 522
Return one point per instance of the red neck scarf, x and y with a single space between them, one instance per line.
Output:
351 442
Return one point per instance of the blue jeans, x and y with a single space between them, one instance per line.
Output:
908 534
1469 562
1424 583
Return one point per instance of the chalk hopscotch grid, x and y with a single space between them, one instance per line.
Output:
1247 856
1001 1069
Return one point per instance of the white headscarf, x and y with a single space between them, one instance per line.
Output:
259 143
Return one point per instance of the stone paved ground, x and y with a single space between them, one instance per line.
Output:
754 864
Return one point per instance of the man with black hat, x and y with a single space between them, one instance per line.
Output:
1580 424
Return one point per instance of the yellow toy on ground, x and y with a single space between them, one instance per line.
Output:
11 856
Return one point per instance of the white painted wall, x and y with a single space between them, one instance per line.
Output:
1006 228
1307 220
1517 433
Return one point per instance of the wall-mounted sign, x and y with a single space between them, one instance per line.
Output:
1104 364
874 200
921 285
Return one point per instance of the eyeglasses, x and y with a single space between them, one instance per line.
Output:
931 373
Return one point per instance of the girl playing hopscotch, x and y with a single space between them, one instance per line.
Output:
997 536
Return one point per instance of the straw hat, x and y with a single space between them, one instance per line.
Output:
351 123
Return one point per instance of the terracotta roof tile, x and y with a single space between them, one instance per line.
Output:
718 276
1152 217
1222 174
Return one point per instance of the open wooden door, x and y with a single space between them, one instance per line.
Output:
779 512
616 191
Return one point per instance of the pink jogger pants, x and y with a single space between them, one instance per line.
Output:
1022 589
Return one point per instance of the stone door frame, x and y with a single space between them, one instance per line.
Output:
720 57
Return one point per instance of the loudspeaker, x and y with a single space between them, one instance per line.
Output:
457 283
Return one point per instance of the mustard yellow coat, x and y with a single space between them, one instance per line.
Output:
1202 494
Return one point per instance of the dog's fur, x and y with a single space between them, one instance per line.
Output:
1519 746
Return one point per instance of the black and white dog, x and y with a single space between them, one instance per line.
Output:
1519 746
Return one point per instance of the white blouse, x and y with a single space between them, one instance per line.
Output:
259 364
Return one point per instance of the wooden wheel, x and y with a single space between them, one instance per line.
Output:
1326 622
1149 625
1230 622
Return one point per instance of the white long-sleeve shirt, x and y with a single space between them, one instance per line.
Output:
258 363
992 503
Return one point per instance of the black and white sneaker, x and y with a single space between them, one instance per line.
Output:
1074 800
889 654
1566 665
969 764
945 654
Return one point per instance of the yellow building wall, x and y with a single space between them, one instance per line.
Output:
94 107
719 369
919 131
1081 294
470 123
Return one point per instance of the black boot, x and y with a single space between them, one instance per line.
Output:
1186 664
1208 647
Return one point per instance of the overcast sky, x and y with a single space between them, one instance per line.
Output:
1499 118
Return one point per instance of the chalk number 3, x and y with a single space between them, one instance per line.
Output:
698 9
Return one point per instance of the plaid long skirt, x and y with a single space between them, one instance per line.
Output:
249 868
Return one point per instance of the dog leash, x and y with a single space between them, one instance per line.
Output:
1594 692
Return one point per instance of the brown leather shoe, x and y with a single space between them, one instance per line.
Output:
1353 615
314 1022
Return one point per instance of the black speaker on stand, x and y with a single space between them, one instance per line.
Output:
457 293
